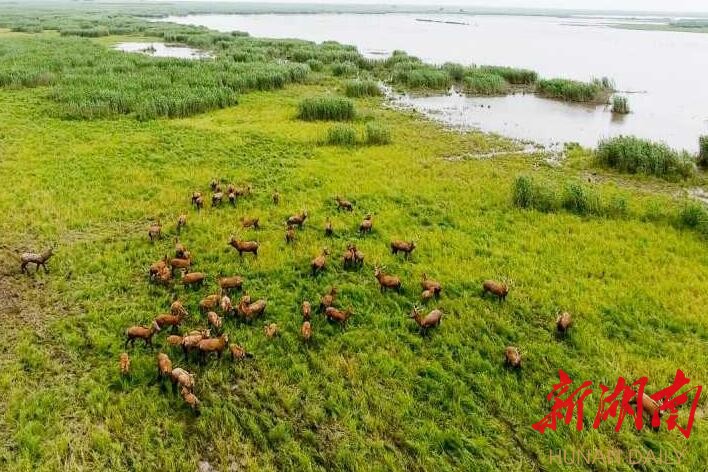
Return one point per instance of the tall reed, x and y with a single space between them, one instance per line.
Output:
638 156
327 108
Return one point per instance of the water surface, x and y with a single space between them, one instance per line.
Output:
163 50
665 72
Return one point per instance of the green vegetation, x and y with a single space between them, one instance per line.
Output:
344 69
513 75
639 156
574 91
377 134
362 88
477 82
342 135
703 151
326 108
628 264
620 105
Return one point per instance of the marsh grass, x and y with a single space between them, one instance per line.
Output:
362 88
638 156
377 134
326 108
620 105
478 82
575 91
513 75
344 69
703 151
342 135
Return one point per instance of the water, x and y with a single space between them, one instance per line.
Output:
663 71
163 50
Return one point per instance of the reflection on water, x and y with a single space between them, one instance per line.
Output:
163 50
669 68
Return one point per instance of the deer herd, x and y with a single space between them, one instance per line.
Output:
211 340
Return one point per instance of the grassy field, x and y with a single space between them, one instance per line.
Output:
376 395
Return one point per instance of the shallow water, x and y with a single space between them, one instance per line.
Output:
163 50
665 70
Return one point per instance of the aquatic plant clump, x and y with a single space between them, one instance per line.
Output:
326 109
620 105
362 88
638 156
478 82
342 135
575 91
703 151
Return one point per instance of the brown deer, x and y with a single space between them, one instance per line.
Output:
366 225
141 332
512 357
402 246
339 316
298 219
328 299
500 290
36 259
386 281
244 246
250 223
431 320
319 263
155 231
564 322
345 205
290 234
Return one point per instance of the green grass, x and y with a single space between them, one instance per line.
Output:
377 134
362 88
575 91
639 156
375 395
342 135
478 82
620 105
326 108
513 75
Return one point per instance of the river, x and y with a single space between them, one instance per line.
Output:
662 73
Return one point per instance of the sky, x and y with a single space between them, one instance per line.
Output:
639 5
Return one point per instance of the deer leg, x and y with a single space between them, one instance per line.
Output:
44 265
23 267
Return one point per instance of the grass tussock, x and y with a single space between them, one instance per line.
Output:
638 156
513 75
597 91
342 135
620 105
326 108
703 151
478 82
362 88
377 134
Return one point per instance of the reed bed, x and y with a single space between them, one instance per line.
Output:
513 75
574 91
362 88
342 135
479 82
377 134
620 105
703 151
326 108
638 156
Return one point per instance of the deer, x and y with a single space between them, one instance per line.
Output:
329 230
345 205
431 320
250 223
141 332
339 316
230 283
390 282
181 222
512 357
276 198
197 200
298 219
500 290
402 246
250 310
244 246
328 299
366 225
155 231
318 263
39 260
290 234
564 322
430 285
